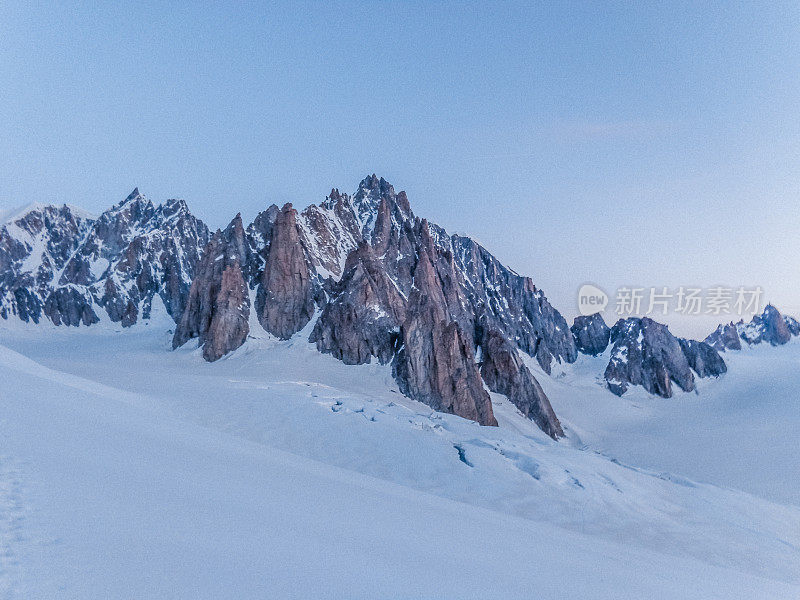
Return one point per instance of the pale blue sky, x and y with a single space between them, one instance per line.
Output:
648 144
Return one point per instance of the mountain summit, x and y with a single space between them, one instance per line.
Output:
382 285
361 276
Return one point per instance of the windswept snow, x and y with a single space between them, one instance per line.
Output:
737 431
127 470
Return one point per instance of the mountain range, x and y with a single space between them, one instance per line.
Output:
361 277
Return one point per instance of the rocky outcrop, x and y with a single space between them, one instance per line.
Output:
505 373
118 262
229 325
792 324
68 306
285 302
768 327
218 307
725 337
703 359
35 245
436 364
386 285
512 304
645 353
363 318
591 334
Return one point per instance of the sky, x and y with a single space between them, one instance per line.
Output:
640 144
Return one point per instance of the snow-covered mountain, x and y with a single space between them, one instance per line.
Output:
277 393
379 284
62 264
769 327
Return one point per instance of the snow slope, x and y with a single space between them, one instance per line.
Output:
738 431
128 471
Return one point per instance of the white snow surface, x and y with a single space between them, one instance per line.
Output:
131 471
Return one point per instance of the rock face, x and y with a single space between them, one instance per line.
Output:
504 373
364 318
436 364
769 327
383 284
68 306
645 353
704 360
218 307
725 337
35 245
591 334
511 303
229 326
792 325
71 264
285 302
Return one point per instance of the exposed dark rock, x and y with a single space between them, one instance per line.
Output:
436 364
645 353
512 304
792 325
389 286
769 327
591 334
27 305
504 372
119 262
329 233
259 234
704 359
34 246
725 337
119 306
229 325
285 302
67 306
218 307
363 319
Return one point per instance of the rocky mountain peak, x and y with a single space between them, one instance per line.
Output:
284 301
769 327
173 208
591 334
725 337
35 245
116 263
383 285
645 353
371 194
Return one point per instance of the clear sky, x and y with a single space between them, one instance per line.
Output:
652 144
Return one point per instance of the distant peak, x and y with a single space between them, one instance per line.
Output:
374 187
178 202
369 182
9 216
134 196
373 182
